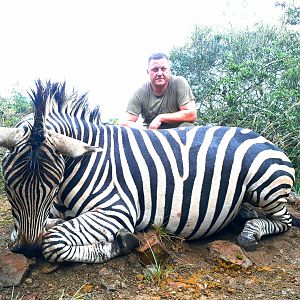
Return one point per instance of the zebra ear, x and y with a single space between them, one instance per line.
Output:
9 137
69 146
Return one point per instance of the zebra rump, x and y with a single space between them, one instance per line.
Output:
79 190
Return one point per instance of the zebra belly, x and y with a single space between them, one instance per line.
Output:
193 217
200 222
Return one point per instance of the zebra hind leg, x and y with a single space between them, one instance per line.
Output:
246 213
278 220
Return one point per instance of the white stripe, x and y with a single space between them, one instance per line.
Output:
198 183
178 187
277 182
185 148
114 215
177 199
275 167
216 180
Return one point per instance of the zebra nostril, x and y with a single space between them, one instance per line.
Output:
27 250
20 245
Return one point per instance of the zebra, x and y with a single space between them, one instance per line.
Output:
80 190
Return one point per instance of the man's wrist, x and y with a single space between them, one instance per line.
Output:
161 118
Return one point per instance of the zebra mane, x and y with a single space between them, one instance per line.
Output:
51 98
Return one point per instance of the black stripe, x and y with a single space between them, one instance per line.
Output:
189 182
157 145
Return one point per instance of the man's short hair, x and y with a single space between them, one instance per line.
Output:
158 55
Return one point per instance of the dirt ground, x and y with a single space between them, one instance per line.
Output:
190 273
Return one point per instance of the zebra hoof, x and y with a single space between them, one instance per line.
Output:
249 243
127 241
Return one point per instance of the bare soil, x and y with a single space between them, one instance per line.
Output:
190 273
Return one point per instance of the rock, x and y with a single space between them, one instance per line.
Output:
28 281
13 269
229 252
152 249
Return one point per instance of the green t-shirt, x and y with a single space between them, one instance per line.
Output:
146 104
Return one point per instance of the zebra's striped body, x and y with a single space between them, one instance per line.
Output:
193 181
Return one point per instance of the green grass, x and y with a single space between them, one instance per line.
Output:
158 270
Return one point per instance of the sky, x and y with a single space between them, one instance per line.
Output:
102 47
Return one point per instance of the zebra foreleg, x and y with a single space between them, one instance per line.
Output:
277 222
55 248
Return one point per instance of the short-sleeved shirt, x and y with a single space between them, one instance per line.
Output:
145 103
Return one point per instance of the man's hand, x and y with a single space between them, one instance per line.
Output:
187 113
156 122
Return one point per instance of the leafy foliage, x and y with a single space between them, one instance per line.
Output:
291 12
246 78
13 108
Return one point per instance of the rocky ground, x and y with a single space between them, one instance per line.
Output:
208 269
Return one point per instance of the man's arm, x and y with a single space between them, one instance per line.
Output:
130 121
187 113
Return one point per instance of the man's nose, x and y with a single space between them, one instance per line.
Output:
159 72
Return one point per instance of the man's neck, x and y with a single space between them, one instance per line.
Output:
159 90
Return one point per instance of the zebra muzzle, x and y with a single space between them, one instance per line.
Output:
20 245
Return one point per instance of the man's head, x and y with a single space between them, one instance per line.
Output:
159 71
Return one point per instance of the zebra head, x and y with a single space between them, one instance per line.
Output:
33 169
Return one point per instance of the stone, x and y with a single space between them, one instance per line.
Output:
13 269
229 252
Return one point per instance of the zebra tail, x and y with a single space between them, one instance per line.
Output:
295 221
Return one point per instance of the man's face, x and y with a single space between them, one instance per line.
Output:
159 72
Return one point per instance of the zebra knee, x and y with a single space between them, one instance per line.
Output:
127 241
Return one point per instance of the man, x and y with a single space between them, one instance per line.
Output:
164 102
